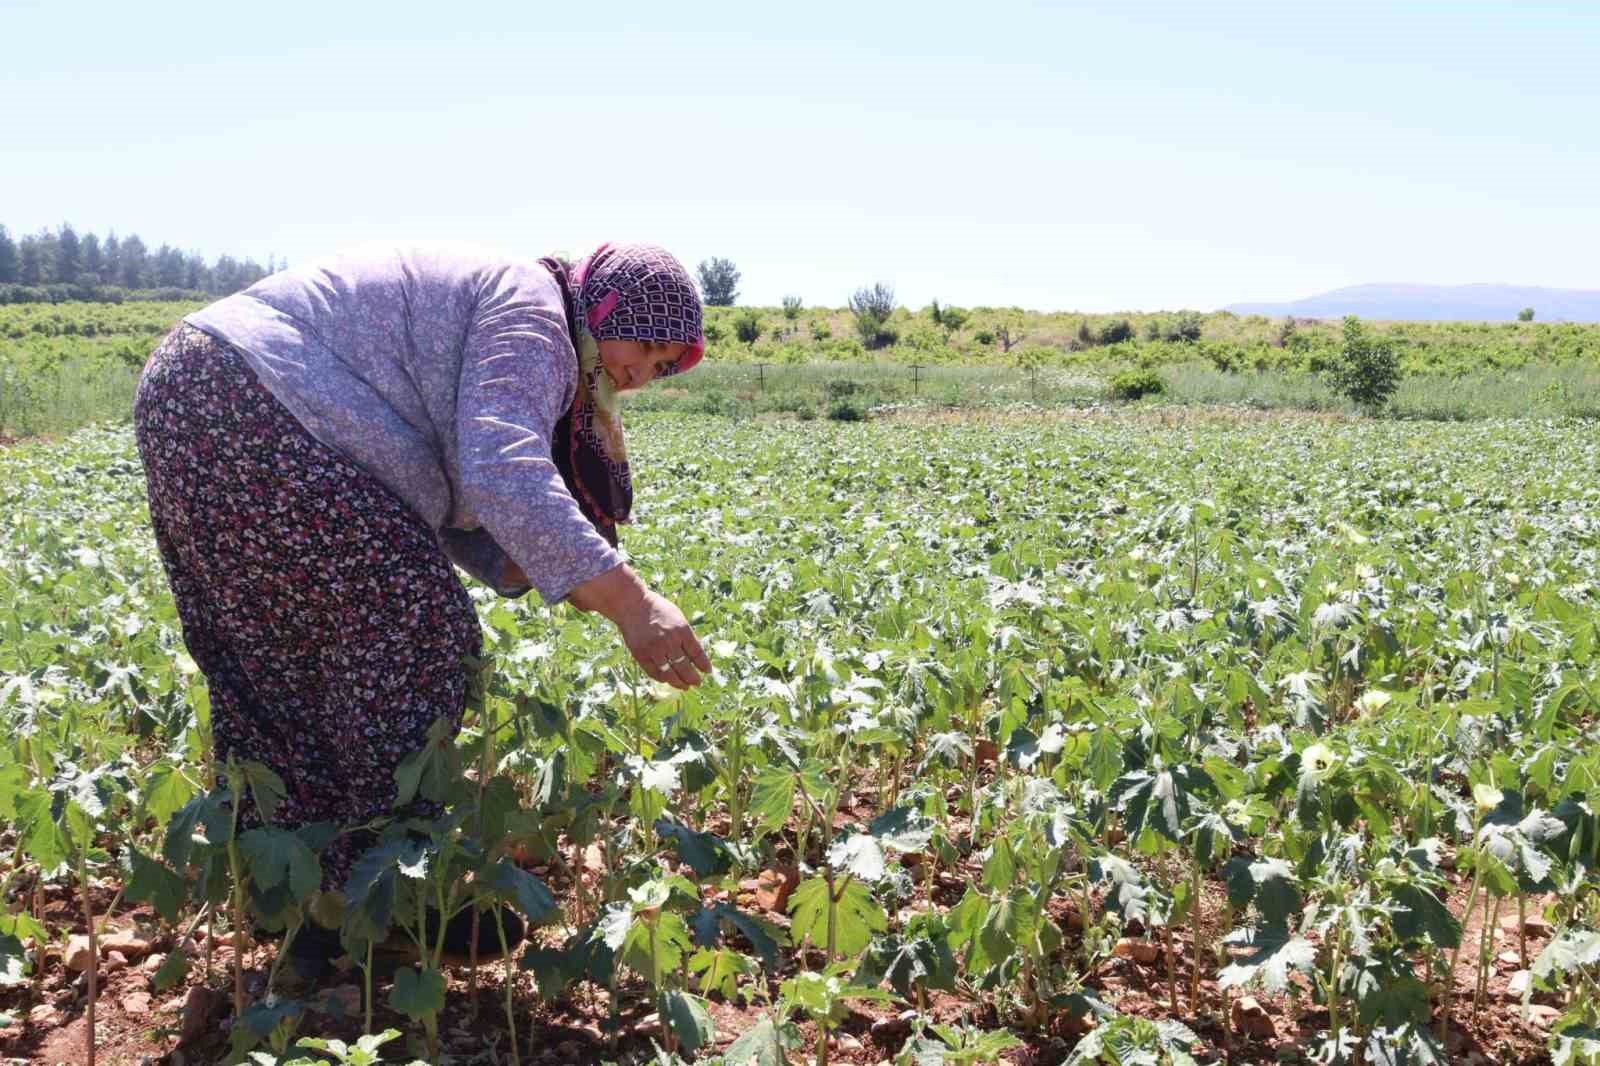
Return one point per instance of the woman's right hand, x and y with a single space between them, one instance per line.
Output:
656 633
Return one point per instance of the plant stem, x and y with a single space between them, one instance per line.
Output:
485 767
1486 951
1194 948
505 953
1455 956
94 955
833 902
1522 926
1335 965
1172 968
236 892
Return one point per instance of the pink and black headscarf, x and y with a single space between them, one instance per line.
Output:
633 292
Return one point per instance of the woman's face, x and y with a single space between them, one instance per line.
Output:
635 364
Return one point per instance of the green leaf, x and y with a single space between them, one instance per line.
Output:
719 970
706 854
1422 914
907 964
1277 896
689 1020
152 882
772 798
765 938
13 961
856 917
903 829
655 944
1104 762
859 854
417 993
1012 921
1153 801
42 838
166 793
278 856
266 788
172 971
1000 869
522 889
1275 956
759 1045
209 809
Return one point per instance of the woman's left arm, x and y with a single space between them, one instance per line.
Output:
517 373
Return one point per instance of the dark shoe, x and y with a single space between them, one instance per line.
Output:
458 936
313 950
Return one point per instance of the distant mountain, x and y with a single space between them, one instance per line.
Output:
1439 303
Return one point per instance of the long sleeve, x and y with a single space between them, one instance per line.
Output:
477 553
518 373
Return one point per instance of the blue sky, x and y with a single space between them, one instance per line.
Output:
1088 156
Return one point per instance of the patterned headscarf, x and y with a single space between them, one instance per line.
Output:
621 292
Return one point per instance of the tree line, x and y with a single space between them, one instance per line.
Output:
62 264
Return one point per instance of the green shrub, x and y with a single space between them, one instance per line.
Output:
1116 331
1367 370
820 330
872 308
747 326
1135 384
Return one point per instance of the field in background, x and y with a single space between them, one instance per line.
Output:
66 365
1081 724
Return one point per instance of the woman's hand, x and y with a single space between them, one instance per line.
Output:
655 631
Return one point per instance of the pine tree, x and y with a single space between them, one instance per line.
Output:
719 281
111 271
135 264
30 262
94 263
69 254
8 257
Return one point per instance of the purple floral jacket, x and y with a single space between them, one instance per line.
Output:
441 370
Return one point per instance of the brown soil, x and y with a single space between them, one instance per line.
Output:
49 1024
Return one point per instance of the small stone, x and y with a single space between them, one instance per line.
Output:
45 1016
77 957
1543 1016
1509 958
1519 984
202 1006
594 860
774 887
891 1030
341 1000
152 963
1537 925
114 961
136 1003
129 942
846 1042
1251 1019
1143 951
